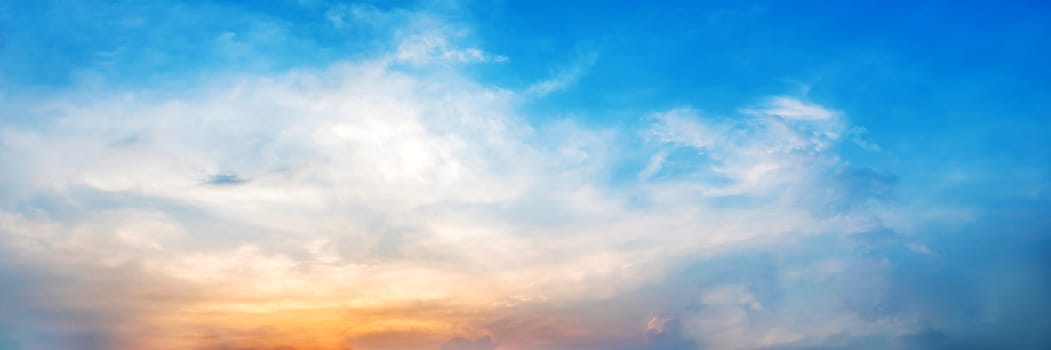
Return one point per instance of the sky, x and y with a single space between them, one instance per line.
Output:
479 175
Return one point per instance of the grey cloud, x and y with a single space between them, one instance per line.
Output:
673 336
458 343
8 343
226 180
984 289
851 187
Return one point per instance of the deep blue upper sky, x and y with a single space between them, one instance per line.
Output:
957 79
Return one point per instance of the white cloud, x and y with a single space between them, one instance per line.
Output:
653 165
792 109
346 15
754 156
918 248
434 47
360 186
564 79
418 37
419 189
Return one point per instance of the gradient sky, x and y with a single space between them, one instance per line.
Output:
469 175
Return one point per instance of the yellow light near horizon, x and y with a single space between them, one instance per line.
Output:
248 326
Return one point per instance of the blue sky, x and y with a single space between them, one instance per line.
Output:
525 175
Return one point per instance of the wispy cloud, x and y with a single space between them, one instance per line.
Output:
564 78
373 189
433 47
792 109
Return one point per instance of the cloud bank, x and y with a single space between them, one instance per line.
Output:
394 201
